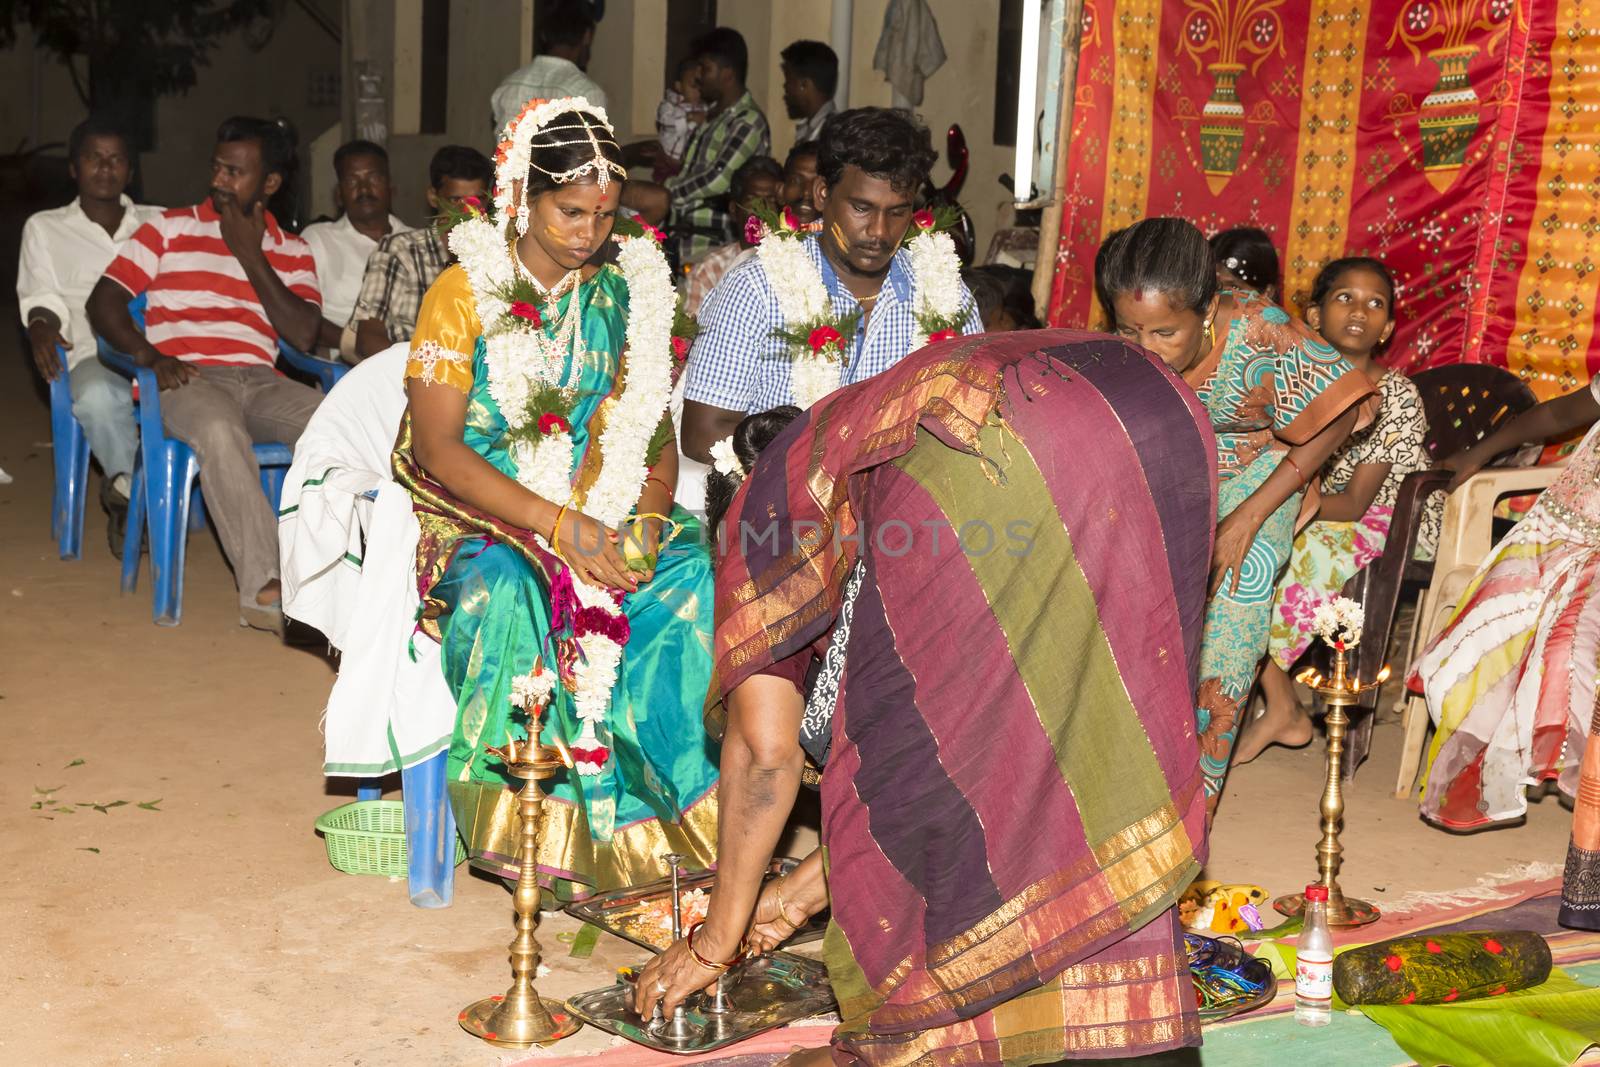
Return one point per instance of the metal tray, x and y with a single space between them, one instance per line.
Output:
608 911
767 992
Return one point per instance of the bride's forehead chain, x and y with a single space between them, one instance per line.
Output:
576 122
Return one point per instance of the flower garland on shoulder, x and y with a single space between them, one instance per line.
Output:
533 378
813 333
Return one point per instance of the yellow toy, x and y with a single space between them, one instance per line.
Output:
1213 908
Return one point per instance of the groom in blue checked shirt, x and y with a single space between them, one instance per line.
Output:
871 165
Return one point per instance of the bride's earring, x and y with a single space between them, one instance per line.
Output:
522 217
1211 336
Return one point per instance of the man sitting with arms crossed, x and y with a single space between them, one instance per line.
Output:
64 252
402 267
224 282
341 248
872 163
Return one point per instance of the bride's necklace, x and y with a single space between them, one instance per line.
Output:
565 334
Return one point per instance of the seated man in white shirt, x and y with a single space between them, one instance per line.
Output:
341 248
563 40
64 252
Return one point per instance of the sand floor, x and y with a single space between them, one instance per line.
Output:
209 929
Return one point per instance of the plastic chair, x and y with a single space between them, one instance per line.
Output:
327 372
1465 540
164 473
71 448
1463 403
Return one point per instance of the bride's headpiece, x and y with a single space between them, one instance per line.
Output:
579 122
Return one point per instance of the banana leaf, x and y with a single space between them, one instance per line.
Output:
1550 1025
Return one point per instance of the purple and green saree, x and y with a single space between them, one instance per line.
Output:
1012 801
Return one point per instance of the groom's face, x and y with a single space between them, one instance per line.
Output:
864 218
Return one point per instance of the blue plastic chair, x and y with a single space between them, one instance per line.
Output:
327 372
71 447
165 504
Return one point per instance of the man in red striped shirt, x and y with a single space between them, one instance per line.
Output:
223 282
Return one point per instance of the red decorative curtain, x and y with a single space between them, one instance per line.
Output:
1456 140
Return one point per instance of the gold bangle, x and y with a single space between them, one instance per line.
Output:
555 532
783 906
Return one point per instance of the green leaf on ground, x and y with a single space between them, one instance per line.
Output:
66 810
47 792
150 805
104 808
89 848
75 763
36 805
583 944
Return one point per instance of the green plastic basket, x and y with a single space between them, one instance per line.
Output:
369 837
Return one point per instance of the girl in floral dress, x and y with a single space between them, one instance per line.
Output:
1352 307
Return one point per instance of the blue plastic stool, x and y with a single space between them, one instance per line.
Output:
430 831
71 447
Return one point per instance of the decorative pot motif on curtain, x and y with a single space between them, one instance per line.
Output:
1230 28
1449 115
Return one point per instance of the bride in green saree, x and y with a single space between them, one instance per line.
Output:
554 569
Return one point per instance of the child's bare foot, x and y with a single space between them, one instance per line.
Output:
1284 722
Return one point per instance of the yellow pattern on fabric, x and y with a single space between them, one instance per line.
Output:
1324 173
1558 288
447 333
1136 29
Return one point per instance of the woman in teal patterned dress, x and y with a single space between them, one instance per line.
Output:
1281 401
502 602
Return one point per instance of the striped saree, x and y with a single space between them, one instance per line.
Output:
1012 801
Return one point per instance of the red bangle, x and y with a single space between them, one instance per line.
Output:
701 960
1290 461
659 481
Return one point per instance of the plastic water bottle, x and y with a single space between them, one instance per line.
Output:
1313 970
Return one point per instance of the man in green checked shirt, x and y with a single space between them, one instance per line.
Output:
695 199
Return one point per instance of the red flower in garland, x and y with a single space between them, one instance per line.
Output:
680 348
473 205
652 232
753 231
521 309
791 221
924 219
550 423
942 335
597 755
822 337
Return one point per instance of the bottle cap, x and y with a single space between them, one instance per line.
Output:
1317 892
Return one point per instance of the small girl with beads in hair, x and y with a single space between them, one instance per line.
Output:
1246 259
1352 307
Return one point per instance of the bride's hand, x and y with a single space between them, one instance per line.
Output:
641 545
590 548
